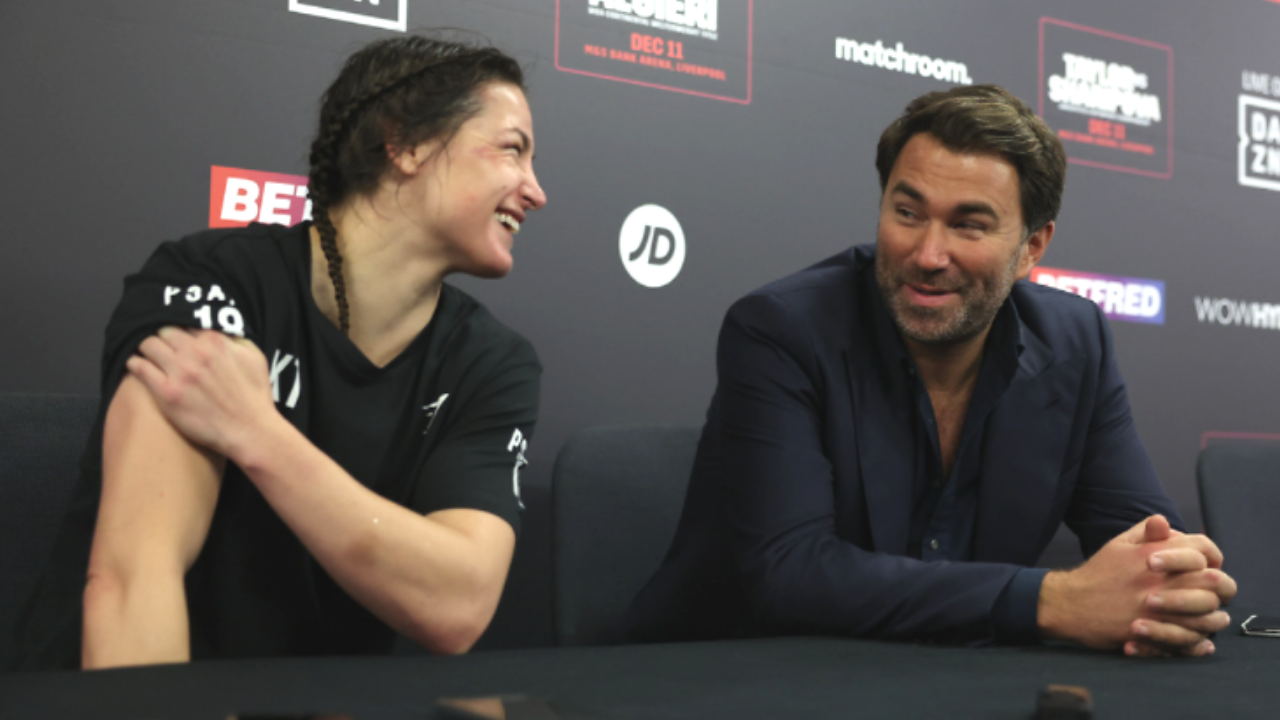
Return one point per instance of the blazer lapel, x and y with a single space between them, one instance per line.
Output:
1026 439
883 436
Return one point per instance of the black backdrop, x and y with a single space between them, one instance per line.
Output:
757 135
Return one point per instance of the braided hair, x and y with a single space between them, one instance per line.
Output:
396 92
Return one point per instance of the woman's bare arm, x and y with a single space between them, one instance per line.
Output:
437 579
158 495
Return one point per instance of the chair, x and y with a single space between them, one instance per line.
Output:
41 439
1240 499
616 494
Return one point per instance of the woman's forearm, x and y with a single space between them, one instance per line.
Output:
436 579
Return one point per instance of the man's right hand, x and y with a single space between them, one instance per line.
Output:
1152 591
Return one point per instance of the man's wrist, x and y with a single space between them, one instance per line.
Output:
1050 609
1014 615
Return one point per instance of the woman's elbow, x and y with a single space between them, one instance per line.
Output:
455 630
103 593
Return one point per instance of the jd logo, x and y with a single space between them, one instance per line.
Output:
651 245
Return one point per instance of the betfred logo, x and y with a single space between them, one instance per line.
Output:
1121 298
238 197
1259 161
696 47
1109 97
386 14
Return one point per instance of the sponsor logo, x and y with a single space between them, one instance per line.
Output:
896 58
386 14
1242 313
432 409
1109 97
652 246
1259 131
518 445
697 47
281 361
1121 298
238 197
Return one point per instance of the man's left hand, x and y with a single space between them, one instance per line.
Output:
1186 607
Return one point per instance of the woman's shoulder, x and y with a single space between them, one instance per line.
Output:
248 248
467 327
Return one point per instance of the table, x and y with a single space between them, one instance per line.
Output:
773 678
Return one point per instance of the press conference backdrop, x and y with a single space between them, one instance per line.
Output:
691 150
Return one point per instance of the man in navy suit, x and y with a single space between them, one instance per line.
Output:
898 431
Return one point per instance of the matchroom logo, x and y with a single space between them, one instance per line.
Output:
385 14
1109 97
1121 298
899 59
238 197
696 47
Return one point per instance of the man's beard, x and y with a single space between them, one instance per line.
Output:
945 325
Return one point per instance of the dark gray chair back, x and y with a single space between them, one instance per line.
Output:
41 439
616 494
1240 500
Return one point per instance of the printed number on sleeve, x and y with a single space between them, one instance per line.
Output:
228 317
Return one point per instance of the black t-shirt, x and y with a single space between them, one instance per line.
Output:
443 425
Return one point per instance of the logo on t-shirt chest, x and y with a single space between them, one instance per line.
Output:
286 367
433 409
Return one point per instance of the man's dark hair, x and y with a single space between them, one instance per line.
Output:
986 119
399 91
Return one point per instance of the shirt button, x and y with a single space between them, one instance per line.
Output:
933 544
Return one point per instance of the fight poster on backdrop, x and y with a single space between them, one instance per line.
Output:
697 47
1109 97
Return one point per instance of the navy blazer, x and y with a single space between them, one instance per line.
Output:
799 506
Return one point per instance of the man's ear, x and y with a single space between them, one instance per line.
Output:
1034 248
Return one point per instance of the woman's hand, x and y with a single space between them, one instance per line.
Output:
213 388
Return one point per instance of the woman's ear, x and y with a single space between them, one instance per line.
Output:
410 160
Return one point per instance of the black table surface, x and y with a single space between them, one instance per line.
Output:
774 678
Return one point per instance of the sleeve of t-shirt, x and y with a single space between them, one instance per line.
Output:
478 462
175 287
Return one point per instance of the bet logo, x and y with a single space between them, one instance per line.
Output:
651 245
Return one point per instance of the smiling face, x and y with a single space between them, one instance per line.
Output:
479 187
949 244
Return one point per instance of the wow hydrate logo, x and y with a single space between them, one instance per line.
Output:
1243 313
238 197
697 47
1109 97
1121 298
386 14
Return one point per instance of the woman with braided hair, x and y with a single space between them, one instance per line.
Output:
308 442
